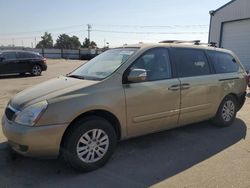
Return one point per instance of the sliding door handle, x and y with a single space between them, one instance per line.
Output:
174 87
185 86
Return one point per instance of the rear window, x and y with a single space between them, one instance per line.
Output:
25 55
191 62
223 62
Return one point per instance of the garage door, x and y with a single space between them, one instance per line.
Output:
236 37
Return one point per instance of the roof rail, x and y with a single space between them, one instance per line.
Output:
211 44
195 42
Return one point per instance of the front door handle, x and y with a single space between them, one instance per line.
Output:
185 86
174 87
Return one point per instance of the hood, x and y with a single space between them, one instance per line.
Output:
47 90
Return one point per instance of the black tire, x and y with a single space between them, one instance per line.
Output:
221 119
36 70
22 74
81 128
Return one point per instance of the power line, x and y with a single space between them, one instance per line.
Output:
42 30
138 32
38 36
155 26
110 31
106 25
6 36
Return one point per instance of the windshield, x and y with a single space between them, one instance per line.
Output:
104 64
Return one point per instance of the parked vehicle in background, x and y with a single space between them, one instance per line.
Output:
12 62
88 56
123 93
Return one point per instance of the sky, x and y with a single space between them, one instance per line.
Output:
113 21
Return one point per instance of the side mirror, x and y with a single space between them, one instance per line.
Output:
2 59
137 75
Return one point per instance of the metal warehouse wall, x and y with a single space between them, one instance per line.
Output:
238 9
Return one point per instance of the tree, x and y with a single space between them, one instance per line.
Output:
93 44
46 42
75 42
88 44
64 41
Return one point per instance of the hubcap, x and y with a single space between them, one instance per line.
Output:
36 70
228 111
92 146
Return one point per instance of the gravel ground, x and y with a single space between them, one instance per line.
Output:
198 155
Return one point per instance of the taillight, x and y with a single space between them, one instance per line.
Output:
44 60
247 79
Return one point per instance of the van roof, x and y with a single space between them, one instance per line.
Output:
176 45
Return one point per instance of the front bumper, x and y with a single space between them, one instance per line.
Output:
42 141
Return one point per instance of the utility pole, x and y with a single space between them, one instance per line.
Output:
13 42
89 29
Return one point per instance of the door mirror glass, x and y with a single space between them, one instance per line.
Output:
137 75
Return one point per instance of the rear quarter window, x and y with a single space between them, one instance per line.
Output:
223 62
25 55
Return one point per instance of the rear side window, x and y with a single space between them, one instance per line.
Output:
25 55
9 55
191 62
223 62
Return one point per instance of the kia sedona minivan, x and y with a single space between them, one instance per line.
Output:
122 93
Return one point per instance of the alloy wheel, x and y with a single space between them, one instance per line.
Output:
228 111
92 145
36 70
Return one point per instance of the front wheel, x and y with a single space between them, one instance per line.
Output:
227 112
90 144
36 70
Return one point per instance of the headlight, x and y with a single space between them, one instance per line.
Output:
30 115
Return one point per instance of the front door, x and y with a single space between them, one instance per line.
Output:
152 105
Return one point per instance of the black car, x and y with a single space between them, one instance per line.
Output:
88 56
22 62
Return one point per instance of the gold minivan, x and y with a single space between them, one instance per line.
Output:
122 93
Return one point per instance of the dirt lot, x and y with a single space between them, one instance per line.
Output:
198 155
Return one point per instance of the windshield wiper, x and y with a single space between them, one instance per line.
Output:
76 76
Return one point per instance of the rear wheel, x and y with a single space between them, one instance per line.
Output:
36 70
90 144
227 112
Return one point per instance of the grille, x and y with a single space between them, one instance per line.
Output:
9 113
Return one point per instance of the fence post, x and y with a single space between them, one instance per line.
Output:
61 53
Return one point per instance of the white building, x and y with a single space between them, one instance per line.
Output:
230 28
